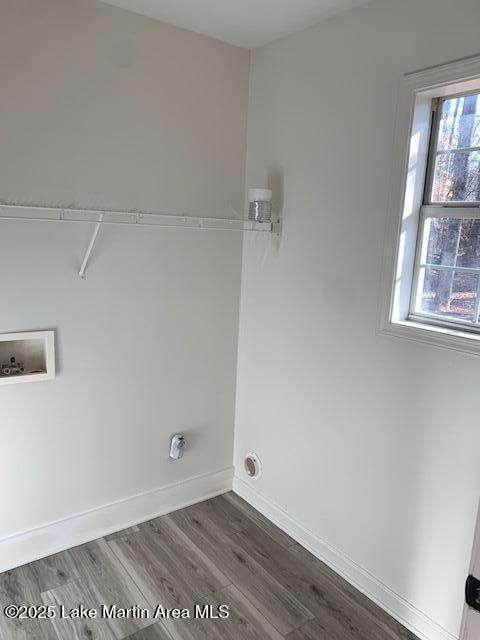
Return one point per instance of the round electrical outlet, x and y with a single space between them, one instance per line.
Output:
253 466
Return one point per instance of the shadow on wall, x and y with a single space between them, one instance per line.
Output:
275 183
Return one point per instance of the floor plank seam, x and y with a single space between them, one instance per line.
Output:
212 553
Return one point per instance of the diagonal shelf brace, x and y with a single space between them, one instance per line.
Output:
91 244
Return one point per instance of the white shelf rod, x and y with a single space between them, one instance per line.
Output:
102 217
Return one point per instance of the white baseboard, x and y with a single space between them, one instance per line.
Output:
407 614
43 541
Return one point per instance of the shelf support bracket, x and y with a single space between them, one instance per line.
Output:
81 273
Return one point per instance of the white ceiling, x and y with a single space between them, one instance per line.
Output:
246 23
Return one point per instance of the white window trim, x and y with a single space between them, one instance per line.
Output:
411 142
440 211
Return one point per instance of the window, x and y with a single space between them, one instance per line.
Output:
431 277
447 271
454 162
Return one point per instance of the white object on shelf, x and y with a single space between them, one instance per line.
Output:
34 349
260 205
260 194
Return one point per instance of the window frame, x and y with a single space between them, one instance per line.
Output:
411 173
436 211
433 152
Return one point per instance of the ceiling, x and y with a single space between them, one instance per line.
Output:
246 23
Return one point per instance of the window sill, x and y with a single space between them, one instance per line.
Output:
441 337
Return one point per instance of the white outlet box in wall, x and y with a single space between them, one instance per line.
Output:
35 349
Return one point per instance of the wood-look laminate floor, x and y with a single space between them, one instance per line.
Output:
219 552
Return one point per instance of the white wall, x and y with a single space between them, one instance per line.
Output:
103 108
370 444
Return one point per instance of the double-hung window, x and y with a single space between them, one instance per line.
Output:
446 288
431 279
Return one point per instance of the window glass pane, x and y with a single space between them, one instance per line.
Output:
468 254
459 123
450 294
442 240
456 177
453 242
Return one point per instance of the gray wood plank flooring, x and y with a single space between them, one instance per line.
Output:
218 552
